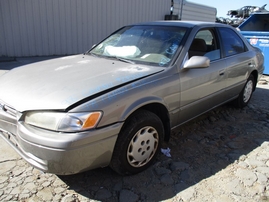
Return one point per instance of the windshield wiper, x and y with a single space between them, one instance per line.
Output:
124 60
114 57
93 54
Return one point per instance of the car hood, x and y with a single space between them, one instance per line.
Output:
59 83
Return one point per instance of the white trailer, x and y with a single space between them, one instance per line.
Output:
185 10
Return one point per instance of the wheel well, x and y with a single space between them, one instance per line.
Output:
163 114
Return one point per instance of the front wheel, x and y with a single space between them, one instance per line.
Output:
246 93
138 143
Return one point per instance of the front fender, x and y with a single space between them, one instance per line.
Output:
137 104
118 104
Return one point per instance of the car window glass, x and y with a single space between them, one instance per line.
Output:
152 45
232 43
204 44
206 35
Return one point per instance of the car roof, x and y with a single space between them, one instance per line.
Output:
188 24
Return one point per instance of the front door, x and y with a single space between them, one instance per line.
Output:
203 88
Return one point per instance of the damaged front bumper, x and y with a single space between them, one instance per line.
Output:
57 152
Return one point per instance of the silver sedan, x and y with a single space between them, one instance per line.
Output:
116 104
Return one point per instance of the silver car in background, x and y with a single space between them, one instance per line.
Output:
117 103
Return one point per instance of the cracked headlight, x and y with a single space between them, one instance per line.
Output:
64 122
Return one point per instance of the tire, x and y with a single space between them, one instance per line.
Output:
246 93
138 143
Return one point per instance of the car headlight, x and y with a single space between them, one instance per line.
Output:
64 122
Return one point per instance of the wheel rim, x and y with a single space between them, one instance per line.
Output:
248 91
143 146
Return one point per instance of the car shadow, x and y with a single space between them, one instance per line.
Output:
199 149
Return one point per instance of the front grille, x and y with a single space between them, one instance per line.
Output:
12 139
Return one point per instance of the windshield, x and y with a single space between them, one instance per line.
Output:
152 45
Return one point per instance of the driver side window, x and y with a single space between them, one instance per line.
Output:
204 44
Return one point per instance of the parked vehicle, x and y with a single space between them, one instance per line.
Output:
256 30
117 103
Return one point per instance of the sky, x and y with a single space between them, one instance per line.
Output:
223 6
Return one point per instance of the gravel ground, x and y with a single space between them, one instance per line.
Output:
221 156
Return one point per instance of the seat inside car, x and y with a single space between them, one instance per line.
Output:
198 47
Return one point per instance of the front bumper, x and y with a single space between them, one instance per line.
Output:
60 153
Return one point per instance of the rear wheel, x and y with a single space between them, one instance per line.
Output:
246 93
138 143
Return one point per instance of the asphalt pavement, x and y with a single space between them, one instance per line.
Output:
7 64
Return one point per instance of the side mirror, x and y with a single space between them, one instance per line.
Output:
197 62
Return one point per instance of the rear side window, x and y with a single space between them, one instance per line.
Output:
231 42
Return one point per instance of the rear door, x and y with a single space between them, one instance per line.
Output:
238 60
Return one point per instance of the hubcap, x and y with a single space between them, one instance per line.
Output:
248 91
143 146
